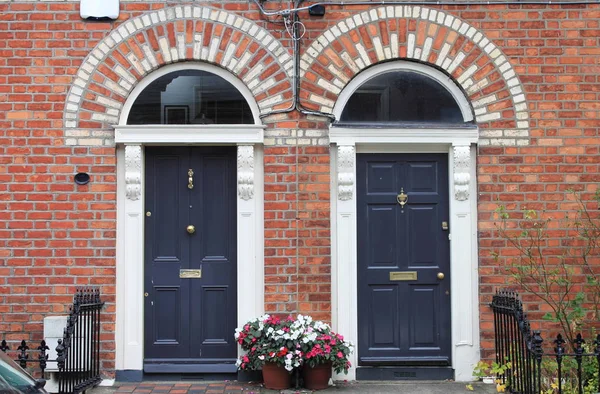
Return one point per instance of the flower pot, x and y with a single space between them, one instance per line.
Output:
276 377
317 377
488 379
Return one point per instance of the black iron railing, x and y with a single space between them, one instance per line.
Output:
531 370
78 352
23 353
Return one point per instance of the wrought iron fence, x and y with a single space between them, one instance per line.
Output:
520 348
78 352
23 353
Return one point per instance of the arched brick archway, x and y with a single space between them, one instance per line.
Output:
183 33
428 36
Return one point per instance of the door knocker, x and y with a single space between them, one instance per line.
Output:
402 198
190 179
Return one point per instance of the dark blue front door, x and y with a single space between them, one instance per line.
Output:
190 259
403 251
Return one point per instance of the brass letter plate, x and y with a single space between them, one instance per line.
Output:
403 275
190 274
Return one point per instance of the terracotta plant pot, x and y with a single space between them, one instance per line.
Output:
317 377
276 377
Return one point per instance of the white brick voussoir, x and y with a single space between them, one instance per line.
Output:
104 50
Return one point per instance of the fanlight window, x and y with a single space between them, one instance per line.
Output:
190 97
402 96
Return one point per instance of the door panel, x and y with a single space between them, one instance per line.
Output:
422 176
382 178
214 301
421 219
382 236
186 319
384 303
166 245
216 225
423 330
166 329
403 322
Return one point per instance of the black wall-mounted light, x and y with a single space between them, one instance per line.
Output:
316 10
82 178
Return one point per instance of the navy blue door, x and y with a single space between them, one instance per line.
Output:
190 272
403 251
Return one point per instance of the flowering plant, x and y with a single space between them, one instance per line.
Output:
291 342
320 345
269 339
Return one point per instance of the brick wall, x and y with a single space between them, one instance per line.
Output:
534 88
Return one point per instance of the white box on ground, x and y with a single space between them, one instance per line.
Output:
99 9
54 328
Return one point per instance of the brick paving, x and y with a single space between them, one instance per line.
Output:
192 388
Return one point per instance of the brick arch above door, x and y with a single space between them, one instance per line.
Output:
428 36
177 34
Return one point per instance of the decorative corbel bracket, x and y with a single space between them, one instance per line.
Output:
133 172
345 167
245 171
462 175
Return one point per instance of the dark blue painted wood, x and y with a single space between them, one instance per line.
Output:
129 375
190 321
403 322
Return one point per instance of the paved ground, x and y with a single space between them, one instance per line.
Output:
363 387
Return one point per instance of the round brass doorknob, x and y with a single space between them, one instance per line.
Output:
191 229
441 275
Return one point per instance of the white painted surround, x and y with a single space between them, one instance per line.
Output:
130 210
459 145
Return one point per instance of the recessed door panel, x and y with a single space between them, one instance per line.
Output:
384 315
168 318
166 226
422 176
421 220
423 303
216 224
381 177
382 236
214 301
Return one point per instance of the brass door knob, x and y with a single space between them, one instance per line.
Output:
191 229
441 275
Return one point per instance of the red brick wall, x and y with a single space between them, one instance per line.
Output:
555 53
297 231
55 236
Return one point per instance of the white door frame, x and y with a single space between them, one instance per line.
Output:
130 142
459 145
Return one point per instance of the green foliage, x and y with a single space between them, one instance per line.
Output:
557 271
484 369
562 273
569 374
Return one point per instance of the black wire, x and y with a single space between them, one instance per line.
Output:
296 44
297 8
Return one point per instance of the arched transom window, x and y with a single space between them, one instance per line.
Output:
402 96
190 97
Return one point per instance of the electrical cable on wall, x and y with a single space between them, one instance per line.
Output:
425 2
292 25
